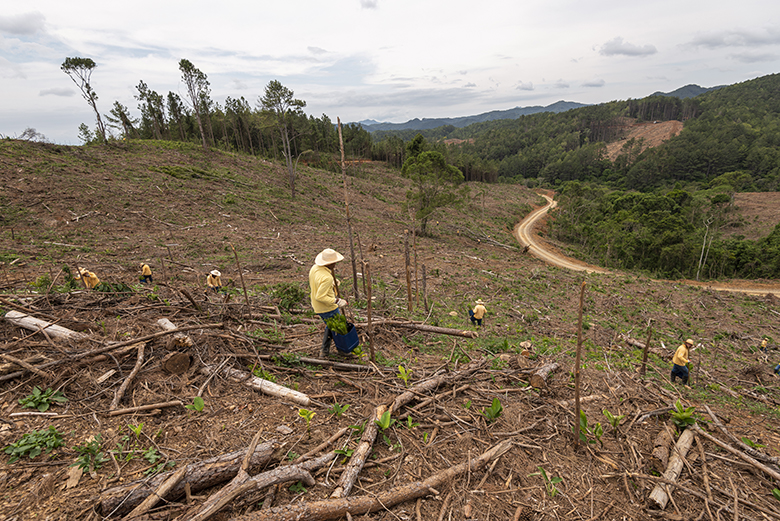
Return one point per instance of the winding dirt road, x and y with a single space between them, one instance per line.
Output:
524 233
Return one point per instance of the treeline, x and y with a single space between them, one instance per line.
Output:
673 234
732 129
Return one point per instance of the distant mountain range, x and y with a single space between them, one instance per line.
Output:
689 91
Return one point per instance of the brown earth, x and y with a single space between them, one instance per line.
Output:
184 210
652 134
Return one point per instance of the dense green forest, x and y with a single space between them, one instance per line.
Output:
661 210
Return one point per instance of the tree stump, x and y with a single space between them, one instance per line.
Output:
538 380
176 363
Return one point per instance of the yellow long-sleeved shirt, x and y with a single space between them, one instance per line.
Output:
214 282
479 311
323 294
146 270
681 355
90 279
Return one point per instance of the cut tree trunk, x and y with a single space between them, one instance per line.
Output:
176 362
34 324
258 384
339 508
659 459
200 475
538 380
178 340
658 496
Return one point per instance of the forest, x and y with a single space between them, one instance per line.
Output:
660 210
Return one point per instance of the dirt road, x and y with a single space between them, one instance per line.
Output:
524 233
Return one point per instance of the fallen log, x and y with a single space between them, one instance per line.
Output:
244 483
358 459
422 327
152 499
35 324
137 367
258 384
179 340
199 476
658 496
538 379
338 508
141 408
750 451
659 459
769 471
641 345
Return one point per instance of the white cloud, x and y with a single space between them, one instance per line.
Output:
369 4
594 83
22 24
525 86
617 46
57 91
737 38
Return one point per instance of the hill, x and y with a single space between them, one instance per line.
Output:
688 91
464 121
185 210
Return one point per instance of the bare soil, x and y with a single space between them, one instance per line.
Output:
652 134
185 211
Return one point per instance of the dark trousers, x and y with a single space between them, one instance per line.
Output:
474 320
681 371
326 337
146 278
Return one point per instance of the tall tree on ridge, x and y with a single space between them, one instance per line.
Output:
80 71
198 90
278 102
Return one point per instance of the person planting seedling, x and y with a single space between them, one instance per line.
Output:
681 362
322 284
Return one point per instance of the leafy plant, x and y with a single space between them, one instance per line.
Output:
467 405
584 430
292 455
197 404
42 400
385 422
307 415
163 465
136 429
347 453
33 443
598 432
682 416
404 374
750 443
549 482
288 294
492 413
337 409
426 435
90 458
115 287
409 423
358 429
337 324
287 360
298 488
262 373
614 421
776 493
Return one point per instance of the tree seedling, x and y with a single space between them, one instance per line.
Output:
33 443
549 483
410 424
337 409
682 417
91 458
404 374
42 400
297 488
307 415
137 429
614 421
776 493
385 422
492 413
750 443
426 435
347 453
197 404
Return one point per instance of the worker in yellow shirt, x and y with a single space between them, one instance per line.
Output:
477 313
322 284
146 273
214 281
680 361
90 279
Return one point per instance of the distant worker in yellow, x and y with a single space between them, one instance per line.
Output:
90 279
146 273
763 345
214 281
680 361
477 313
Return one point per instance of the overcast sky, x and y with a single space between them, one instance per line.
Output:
386 60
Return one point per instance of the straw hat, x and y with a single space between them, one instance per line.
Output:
689 341
216 273
328 256
479 301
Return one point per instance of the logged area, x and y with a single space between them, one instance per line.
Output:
168 383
